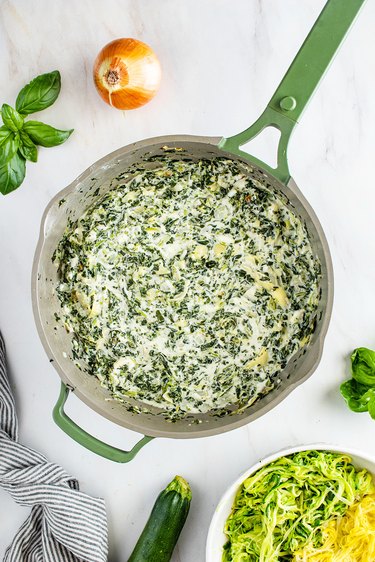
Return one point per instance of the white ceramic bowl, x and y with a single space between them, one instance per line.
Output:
216 537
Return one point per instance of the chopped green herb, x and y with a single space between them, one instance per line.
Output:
188 287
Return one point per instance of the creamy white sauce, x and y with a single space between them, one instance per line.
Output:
188 288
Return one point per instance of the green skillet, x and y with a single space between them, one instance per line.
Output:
283 113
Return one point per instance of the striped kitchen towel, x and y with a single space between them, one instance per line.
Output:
65 525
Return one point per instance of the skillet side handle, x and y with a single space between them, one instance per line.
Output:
88 441
300 82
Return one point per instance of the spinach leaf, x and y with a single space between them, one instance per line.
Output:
356 395
359 391
45 135
9 143
371 407
27 148
12 173
40 93
363 366
11 118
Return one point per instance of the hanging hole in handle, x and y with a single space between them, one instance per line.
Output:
264 146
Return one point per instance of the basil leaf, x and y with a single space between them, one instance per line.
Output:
363 366
4 134
27 147
12 174
39 93
45 135
9 143
11 118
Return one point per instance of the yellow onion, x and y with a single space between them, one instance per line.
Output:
127 73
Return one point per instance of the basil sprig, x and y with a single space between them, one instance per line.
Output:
359 391
19 139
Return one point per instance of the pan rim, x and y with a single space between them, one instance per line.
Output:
316 349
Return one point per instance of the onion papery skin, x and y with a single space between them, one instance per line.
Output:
127 73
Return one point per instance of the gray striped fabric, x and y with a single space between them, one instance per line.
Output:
64 525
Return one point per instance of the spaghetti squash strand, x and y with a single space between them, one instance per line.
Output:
292 505
350 538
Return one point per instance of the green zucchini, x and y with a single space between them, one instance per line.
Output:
160 535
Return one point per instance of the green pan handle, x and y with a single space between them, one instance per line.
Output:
299 83
87 440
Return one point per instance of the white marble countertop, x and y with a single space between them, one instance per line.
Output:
221 62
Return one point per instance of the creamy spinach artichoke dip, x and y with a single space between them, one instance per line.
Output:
188 287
